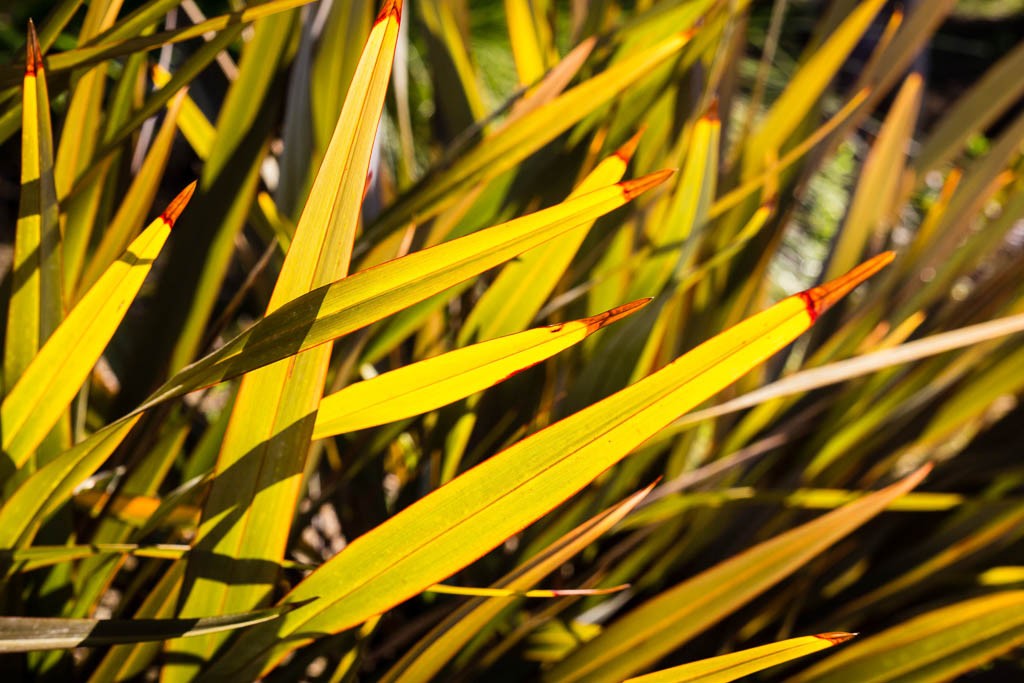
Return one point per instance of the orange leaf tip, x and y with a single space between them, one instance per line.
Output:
625 152
33 55
391 8
836 637
637 186
820 299
618 313
711 114
177 205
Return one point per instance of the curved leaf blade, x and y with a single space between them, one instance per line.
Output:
365 297
453 526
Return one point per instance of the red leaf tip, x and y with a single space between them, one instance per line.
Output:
618 313
637 186
820 299
836 637
625 152
391 8
33 55
711 114
177 205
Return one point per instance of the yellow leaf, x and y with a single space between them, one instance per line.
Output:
437 648
458 523
935 646
421 387
35 307
652 630
53 378
523 285
736 665
351 303
263 454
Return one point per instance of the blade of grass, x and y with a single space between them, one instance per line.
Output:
804 89
139 197
522 287
511 145
109 47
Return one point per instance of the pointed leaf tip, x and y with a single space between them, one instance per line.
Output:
711 114
625 152
820 299
178 204
836 637
391 8
33 55
618 313
632 188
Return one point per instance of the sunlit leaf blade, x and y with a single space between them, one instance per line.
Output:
684 212
526 135
666 506
365 297
432 383
262 457
437 648
49 384
35 305
526 50
25 634
736 665
444 589
458 523
124 662
84 127
652 630
51 485
937 645
839 371
522 287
